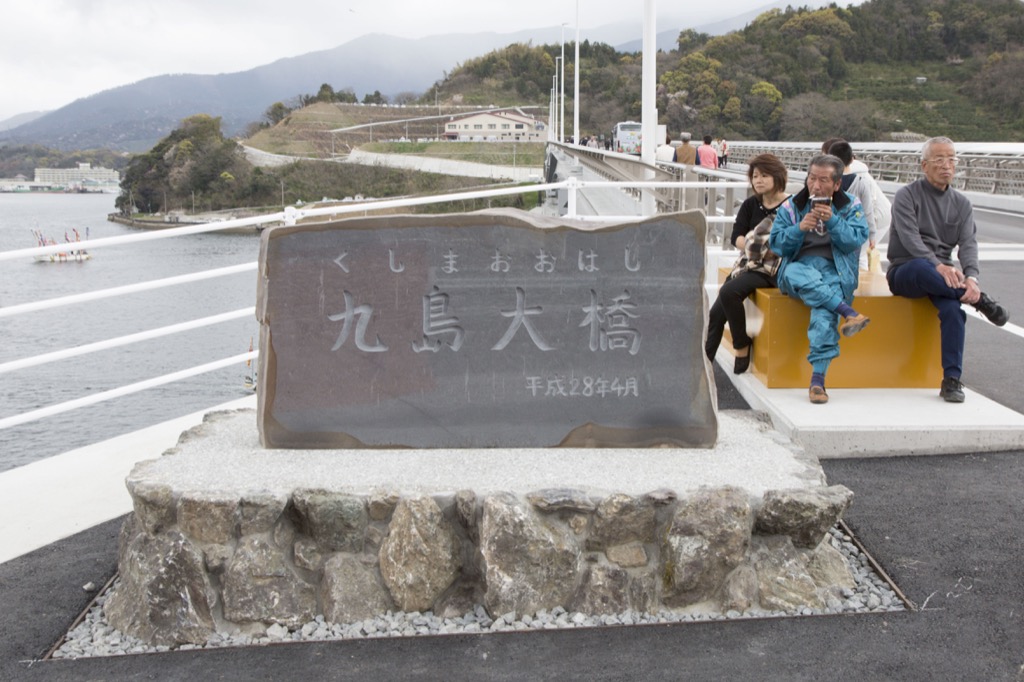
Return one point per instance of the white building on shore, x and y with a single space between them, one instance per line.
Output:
84 176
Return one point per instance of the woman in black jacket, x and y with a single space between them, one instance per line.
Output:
757 265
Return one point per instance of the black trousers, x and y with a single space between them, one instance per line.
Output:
728 307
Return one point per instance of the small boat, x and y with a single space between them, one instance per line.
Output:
71 255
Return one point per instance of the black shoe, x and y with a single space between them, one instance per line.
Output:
952 390
995 313
742 363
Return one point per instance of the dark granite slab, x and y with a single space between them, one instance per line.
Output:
484 330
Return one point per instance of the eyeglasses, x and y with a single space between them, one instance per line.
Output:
943 160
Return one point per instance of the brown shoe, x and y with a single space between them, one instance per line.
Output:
817 395
852 325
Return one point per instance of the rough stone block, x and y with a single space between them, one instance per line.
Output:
419 558
740 590
784 583
307 554
154 505
258 585
561 499
380 506
828 568
164 596
620 519
630 555
805 514
337 521
351 591
608 589
208 518
708 537
259 512
528 565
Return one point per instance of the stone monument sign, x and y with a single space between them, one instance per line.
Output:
491 329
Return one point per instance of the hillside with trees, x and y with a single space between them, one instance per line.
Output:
928 66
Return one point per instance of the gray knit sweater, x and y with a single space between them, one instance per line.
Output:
928 223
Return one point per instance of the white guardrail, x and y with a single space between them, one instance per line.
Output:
290 216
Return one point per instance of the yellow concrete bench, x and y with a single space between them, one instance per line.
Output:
898 349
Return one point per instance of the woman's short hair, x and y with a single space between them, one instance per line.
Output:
769 164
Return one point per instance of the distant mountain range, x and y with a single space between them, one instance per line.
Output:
134 117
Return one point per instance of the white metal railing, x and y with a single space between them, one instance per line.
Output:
986 167
290 216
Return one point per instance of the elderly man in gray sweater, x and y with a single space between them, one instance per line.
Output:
929 220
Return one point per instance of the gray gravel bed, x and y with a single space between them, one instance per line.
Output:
93 636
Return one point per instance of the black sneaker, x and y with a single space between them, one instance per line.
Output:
952 390
995 313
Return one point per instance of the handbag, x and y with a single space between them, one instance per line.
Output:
757 257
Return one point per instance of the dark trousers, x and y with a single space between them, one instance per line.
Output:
728 307
918 278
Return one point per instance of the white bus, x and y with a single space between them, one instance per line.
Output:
626 137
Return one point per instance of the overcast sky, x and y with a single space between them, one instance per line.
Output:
53 52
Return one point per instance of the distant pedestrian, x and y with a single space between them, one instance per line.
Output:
706 154
686 153
666 152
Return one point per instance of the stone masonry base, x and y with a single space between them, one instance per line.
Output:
228 537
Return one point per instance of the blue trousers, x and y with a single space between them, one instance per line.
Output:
918 278
815 281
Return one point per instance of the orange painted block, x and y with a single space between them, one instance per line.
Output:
900 348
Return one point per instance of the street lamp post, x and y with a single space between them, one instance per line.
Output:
576 83
559 75
561 98
552 112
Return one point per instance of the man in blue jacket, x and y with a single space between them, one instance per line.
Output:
818 234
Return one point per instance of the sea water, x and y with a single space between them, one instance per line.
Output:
24 280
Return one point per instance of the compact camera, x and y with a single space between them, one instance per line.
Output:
820 201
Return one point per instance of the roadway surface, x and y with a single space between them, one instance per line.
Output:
946 528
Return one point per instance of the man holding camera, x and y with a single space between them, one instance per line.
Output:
929 220
818 234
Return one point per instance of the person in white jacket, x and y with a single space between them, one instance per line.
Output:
857 180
